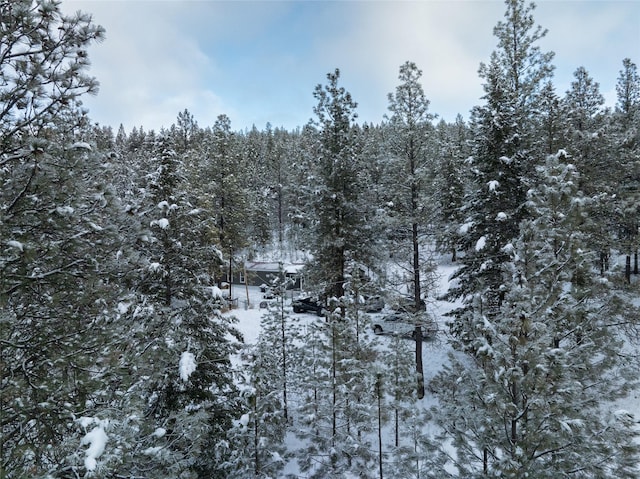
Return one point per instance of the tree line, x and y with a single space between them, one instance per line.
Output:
115 246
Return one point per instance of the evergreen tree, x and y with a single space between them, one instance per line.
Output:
525 404
301 197
626 134
57 322
450 184
225 191
279 328
585 125
178 356
504 156
413 161
336 414
255 149
551 121
258 437
583 104
186 134
341 217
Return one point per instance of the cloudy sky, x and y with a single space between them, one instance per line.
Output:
259 61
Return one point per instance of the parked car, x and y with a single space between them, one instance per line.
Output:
373 304
307 305
406 304
270 293
402 324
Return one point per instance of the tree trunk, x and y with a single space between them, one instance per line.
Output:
167 287
635 262
230 275
334 393
379 394
280 215
485 461
627 269
419 367
418 308
284 358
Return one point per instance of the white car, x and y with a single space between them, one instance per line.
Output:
402 324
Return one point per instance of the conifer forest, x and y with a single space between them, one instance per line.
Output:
125 356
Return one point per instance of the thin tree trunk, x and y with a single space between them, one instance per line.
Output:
334 418
280 214
418 308
246 287
627 269
379 394
230 275
284 358
396 414
419 366
485 460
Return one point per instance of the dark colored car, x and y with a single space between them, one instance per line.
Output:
307 305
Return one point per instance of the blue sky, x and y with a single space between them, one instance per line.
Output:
259 61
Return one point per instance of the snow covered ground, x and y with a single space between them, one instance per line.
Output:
435 350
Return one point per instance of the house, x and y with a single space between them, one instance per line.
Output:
257 273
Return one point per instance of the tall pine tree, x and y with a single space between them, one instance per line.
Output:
536 397
505 152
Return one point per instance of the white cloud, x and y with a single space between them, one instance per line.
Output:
259 61
149 67
447 41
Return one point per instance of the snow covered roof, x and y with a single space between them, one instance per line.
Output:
273 267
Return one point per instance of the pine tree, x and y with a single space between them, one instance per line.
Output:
584 133
180 380
226 192
336 417
57 321
341 218
450 184
504 156
551 121
301 196
258 436
583 104
627 149
279 328
413 160
525 404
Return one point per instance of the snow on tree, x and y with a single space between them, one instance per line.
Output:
258 437
450 184
583 108
626 145
503 151
225 191
179 375
536 396
551 120
57 321
264 177
412 161
340 215
335 418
